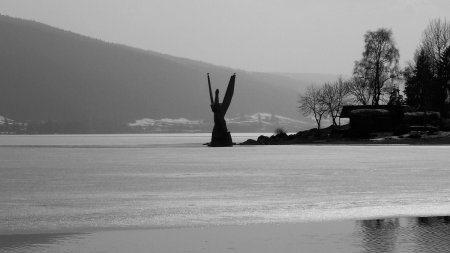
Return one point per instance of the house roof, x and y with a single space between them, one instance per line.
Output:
346 110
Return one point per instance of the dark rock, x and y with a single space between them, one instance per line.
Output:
415 135
250 142
263 139
429 129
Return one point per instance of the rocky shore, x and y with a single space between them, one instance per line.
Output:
342 135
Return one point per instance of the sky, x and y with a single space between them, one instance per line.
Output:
301 36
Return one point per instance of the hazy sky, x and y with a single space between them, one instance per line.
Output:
309 36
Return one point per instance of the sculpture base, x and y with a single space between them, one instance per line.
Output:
221 140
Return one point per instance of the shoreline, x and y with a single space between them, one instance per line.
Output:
339 136
372 235
93 230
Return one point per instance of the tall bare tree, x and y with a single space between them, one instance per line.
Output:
379 63
310 103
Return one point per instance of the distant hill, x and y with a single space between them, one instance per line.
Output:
49 74
312 78
258 122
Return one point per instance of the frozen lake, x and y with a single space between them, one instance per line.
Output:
88 182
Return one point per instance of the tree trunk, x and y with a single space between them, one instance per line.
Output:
334 121
318 123
377 86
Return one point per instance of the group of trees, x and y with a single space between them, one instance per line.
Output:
376 77
374 81
324 102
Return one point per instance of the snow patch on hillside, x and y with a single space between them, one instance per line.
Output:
257 122
165 121
3 119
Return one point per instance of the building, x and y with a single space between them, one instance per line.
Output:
366 119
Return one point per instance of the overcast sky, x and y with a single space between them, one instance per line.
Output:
307 36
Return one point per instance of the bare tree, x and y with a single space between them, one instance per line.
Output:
342 95
333 97
435 42
436 39
378 65
360 90
310 103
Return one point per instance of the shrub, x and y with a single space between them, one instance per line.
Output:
421 118
280 132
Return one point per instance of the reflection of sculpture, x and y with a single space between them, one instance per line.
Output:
220 135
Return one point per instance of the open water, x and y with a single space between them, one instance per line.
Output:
78 183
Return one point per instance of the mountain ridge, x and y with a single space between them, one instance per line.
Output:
47 73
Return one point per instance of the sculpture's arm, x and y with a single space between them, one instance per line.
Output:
210 91
228 94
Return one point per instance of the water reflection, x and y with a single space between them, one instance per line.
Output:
393 235
379 235
431 234
421 234
32 242
430 221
